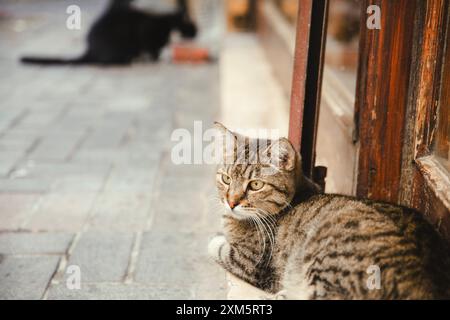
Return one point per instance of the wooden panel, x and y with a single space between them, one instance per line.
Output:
397 108
431 193
442 145
424 185
382 99
307 77
427 74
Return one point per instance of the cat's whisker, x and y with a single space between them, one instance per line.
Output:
262 229
288 205
270 217
266 219
271 240
261 236
269 232
271 224
271 229
261 243
267 216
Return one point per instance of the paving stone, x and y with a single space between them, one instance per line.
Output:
150 129
102 256
126 199
82 183
10 115
154 141
34 243
133 178
8 160
107 291
39 118
168 257
177 259
74 177
16 135
57 146
76 119
61 212
121 210
15 208
25 277
64 177
208 172
15 145
70 127
24 185
184 212
178 185
106 137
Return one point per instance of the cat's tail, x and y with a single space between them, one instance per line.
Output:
120 4
56 61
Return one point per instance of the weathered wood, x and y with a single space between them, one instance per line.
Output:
307 77
424 184
433 200
400 90
442 146
429 72
424 76
382 99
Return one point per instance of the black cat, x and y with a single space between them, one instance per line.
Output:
122 33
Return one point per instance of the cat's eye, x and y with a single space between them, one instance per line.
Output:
256 185
226 179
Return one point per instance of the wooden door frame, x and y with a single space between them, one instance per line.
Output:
382 96
307 83
424 183
396 107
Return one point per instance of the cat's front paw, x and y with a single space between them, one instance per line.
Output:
217 247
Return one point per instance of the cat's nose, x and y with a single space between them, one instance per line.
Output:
232 204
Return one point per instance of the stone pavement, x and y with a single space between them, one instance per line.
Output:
86 178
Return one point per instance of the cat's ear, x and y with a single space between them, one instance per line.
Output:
224 132
226 142
283 154
228 133
220 127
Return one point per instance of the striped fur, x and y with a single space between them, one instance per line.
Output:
288 237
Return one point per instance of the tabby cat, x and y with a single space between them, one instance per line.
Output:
282 235
123 33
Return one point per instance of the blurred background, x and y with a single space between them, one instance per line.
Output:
86 177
